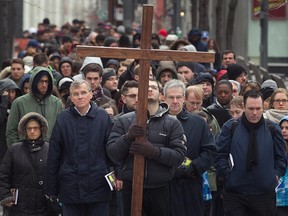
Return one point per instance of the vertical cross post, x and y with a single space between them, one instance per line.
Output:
138 169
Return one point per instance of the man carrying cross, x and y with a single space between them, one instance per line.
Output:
163 151
145 55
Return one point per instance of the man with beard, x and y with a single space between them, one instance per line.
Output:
163 151
129 97
39 99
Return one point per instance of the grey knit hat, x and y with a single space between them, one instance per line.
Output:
269 83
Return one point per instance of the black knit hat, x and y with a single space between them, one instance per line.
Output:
234 70
266 92
190 65
112 62
109 40
203 77
66 39
107 73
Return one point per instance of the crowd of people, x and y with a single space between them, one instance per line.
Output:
215 143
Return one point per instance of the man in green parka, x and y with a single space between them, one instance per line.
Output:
40 100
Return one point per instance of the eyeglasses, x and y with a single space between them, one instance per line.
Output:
194 103
32 128
280 101
132 96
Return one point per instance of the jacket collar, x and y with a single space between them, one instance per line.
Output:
183 115
91 113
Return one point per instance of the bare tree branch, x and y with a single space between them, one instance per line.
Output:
204 15
219 23
194 9
230 23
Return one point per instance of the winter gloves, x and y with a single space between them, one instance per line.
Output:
144 148
135 131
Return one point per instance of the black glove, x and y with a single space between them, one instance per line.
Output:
134 131
191 170
144 148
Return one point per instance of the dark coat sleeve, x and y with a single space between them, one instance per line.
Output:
3 109
223 145
207 151
53 161
280 161
118 146
6 172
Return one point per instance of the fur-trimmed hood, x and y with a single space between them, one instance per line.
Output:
37 117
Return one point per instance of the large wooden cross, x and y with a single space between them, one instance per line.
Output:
145 55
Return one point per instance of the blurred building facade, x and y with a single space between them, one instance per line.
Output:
171 15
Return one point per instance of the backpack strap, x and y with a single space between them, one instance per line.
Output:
271 127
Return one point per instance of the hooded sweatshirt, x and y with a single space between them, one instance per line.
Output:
47 105
5 84
24 79
87 61
166 65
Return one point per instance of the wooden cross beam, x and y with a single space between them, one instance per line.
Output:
145 55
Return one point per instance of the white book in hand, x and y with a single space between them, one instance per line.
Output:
13 198
111 179
231 161
15 194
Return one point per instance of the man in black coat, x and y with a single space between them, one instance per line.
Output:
163 151
77 160
186 186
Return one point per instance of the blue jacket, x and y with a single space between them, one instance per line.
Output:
200 141
282 191
77 160
271 158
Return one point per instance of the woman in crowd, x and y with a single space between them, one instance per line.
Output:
278 107
23 170
220 109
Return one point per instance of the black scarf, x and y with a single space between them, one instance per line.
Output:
252 153
125 109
